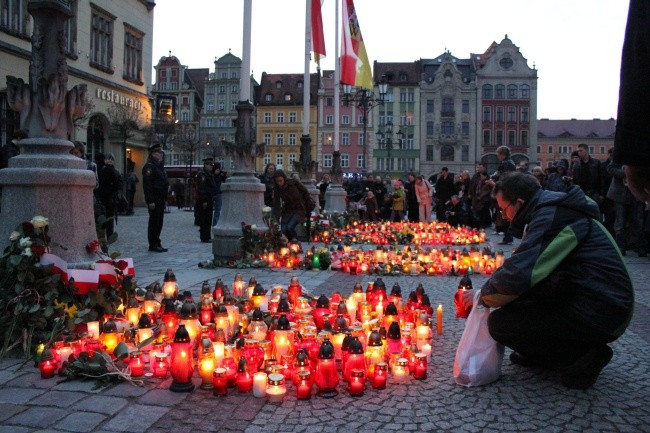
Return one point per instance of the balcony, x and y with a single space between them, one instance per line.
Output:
452 138
448 113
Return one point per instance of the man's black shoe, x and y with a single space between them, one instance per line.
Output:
583 373
523 360
157 249
164 250
206 240
505 243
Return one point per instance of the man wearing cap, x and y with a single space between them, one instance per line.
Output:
155 186
205 200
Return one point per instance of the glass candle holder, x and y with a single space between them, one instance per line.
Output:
401 370
136 364
160 365
219 382
304 385
380 376
420 372
206 370
276 389
357 382
259 384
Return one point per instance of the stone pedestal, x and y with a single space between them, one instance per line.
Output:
335 199
45 179
243 200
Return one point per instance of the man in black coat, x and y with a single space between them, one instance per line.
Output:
205 200
445 188
155 186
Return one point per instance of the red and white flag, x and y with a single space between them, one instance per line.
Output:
85 280
317 34
355 68
59 266
106 272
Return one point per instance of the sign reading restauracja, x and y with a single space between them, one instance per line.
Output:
112 96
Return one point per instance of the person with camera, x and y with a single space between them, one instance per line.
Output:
291 201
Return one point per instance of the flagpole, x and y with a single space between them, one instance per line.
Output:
335 194
307 78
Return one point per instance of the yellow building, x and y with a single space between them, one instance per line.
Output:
279 119
108 46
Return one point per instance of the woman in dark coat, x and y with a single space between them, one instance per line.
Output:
267 179
289 203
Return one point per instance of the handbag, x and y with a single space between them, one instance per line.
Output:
478 356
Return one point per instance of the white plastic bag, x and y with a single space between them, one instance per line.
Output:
478 357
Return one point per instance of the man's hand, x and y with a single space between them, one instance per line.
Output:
152 206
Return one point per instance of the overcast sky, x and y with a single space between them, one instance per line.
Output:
574 44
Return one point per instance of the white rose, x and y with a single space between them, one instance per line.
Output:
266 209
39 221
27 252
14 236
254 227
25 242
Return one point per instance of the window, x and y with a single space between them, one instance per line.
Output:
292 159
524 114
222 123
345 160
362 139
279 139
429 105
511 138
292 139
222 89
464 153
176 159
512 91
550 148
268 97
267 138
288 97
279 117
429 153
447 153
233 74
279 160
539 149
465 106
499 138
293 117
222 106
101 40
327 160
360 119
132 54
447 127
14 18
524 138
447 107
70 31
234 88
487 91
360 161
267 117
487 114
329 101
345 119
186 101
525 91
278 84
499 91
329 119
487 138
499 114
224 75
429 129
602 150
210 106
209 123
299 84
512 113
185 116
345 138
267 158
465 128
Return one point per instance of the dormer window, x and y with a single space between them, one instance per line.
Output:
268 97
299 84
288 97
403 77
278 85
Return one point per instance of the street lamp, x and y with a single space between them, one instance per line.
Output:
365 100
385 139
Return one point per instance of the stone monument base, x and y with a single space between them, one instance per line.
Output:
335 199
243 200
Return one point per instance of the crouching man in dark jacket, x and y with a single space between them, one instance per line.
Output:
565 293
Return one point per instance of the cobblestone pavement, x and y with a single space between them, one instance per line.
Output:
523 400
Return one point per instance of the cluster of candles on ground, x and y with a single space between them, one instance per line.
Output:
390 233
409 260
312 345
